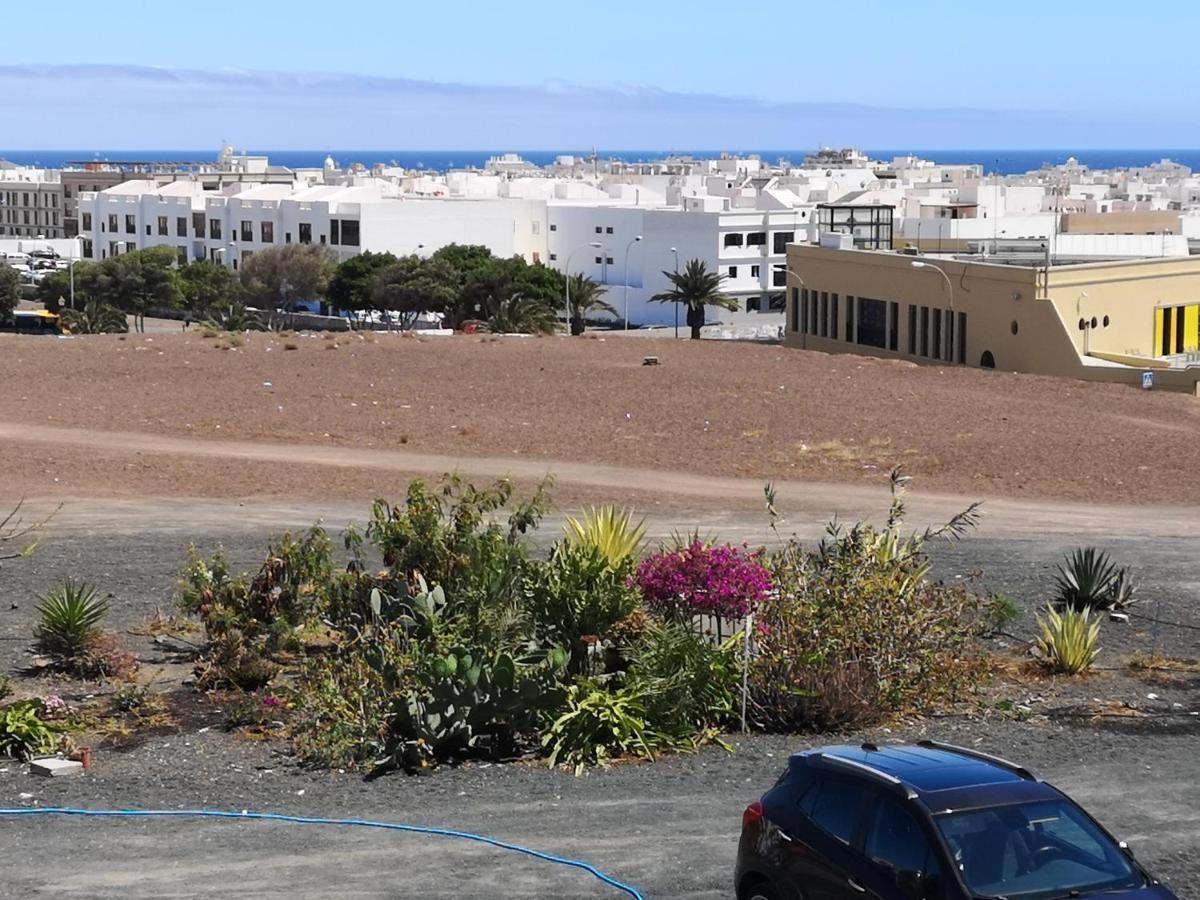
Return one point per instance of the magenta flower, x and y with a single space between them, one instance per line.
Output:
720 581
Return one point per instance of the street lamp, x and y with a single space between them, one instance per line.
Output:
803 331
676 252
595 245
626 279
918 264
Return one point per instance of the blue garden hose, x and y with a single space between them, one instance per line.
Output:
311 820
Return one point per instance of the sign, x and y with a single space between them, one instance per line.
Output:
1147 381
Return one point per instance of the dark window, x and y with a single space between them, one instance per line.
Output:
214 229
925 331
553 257
130 224
599 260
733 240
87 221
912 330
247 231
776 302
935 339
755 271
162 225
305 233
753 304
267 232
838 807
181 226
823 316
895 839
987 361
756 239
960 333
833 317
335 231
801 313
893 326
287 237
181 255
87 249
198 224
872 322
350 232
608 260
733 271
554 228
782 239
147 231
779 278
599 230
322 238
608 230
850 320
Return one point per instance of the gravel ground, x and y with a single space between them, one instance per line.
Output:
668 828
711 407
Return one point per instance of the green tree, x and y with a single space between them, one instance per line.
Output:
10 292
353 283
206 286
697 289
55 289
94 317
279 275
412 285
136 281
587 297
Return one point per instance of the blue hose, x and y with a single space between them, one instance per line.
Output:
310 820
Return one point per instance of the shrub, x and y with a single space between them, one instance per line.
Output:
1090 580
1069 640
609 530
719 581
104 658
70 616
23 732
998 612
596 725
342 712
5 686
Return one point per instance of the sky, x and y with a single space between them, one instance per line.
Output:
933 74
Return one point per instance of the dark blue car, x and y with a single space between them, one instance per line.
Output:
926 822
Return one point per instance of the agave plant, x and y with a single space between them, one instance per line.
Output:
1069 640
95 318
1090 580
234 317
70 618
610 530
518 314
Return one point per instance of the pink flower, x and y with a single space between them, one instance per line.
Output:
270 701
718 581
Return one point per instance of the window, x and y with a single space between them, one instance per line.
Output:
779 278
554 228
87 249
162 225
850 305
777 302
599 230
782 239
112 222
147 231
756 239
287 237
247 231
350 232
305 233
753 304
322 238
181 226
935 338
130 224
608 230
181 255
198 224
87 221
872 323
833 317
800 314
266 232
335 231
599 260
733 240
837 807
214 229
608 260
893 325
895 839
553 257
924 349
755 271
912 330
733 271
960 335
823 317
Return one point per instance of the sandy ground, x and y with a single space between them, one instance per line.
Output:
710 410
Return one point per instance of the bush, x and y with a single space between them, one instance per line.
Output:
1069 640
856 632
700 579
597 724
1090 580
23 732
70 616
342 712
609 530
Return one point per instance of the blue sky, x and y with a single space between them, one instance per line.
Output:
619 74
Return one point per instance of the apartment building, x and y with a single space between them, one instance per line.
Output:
31 203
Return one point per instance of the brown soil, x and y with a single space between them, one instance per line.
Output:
710 409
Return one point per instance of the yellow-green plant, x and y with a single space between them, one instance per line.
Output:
610 530
1068 641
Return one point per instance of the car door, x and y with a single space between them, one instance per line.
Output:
820 862
901 860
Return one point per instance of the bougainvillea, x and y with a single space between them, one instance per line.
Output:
720 581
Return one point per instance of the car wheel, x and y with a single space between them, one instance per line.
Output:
760 890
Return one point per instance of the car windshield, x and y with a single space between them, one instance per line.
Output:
1035 851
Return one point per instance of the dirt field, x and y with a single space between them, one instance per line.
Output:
711 409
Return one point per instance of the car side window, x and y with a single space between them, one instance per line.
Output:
895 839
837 807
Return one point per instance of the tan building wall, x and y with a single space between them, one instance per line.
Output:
1150 222
1015 318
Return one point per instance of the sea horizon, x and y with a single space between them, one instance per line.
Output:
1002 162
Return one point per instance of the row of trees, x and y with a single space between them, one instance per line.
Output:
464 284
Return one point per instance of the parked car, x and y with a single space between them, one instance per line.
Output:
928 821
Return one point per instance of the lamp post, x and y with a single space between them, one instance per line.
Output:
793 274
595 245
676 252
919 264
628 247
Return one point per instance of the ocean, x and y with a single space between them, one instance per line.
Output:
1004 162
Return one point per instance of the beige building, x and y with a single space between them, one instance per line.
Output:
1099 321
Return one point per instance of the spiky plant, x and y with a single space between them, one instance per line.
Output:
610 530
1069 640
587 298
70 620
234 318
518 314
95 317
1090 580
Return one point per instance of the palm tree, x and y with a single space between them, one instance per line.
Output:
234 318
518 314
95 318
698 288
587 296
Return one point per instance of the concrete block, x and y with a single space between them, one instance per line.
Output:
52 767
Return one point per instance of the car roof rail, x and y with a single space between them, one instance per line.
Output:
865 769
980 755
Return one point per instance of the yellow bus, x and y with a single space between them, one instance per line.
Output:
34 321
